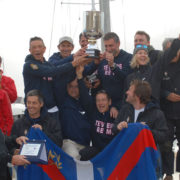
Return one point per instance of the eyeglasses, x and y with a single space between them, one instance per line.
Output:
141 46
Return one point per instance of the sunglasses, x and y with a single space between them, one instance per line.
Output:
141 46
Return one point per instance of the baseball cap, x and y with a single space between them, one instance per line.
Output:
66 38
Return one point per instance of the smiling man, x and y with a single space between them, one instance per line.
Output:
36 116
39 74
113 70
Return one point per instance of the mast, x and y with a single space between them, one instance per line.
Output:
104 7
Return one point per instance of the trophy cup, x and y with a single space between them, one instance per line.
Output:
93 30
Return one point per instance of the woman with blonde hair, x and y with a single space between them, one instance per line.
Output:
141 66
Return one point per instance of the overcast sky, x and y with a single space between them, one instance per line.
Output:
22 19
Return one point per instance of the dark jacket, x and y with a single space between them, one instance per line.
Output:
151 115
113 80
171 84
39 75
49 126
154 55
74 121
101 129
7 143
170 81
141 73
101 123
60 81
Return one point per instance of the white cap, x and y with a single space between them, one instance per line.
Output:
66 38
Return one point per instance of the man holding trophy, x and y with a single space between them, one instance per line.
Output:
114 67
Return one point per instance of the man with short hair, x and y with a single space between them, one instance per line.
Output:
139 108
36 116
141 37
39 74
113 70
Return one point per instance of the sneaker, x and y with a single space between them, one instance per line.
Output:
168 177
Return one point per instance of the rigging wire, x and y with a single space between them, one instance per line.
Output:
124 27
52 26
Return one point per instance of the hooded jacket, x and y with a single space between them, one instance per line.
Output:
151 115
60 82
39 75
49 126
75 124
101 123
6 119
112 80
171 83
154 55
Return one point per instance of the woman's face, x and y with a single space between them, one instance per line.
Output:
142 57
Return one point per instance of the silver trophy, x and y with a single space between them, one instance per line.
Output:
93 30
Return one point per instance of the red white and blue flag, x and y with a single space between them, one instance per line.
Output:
131 155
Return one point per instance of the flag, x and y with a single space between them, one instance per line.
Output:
131 155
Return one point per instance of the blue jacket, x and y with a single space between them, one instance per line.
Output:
113 80
74 122
60 82
39 75
101 123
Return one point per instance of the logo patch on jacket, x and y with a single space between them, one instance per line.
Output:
34 66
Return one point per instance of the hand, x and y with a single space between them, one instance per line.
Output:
144 123
79 71
37 126
19 160
173 97
110 58
80 52
122 125
80 60
114 112
96 83
22 139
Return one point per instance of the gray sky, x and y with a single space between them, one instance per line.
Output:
22 19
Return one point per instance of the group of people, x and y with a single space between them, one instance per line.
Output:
81 102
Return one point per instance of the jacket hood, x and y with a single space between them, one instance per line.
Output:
172 51
30 57
150 48
151 105
56 55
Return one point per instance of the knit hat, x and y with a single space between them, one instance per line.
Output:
140 47
175 46
66 38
